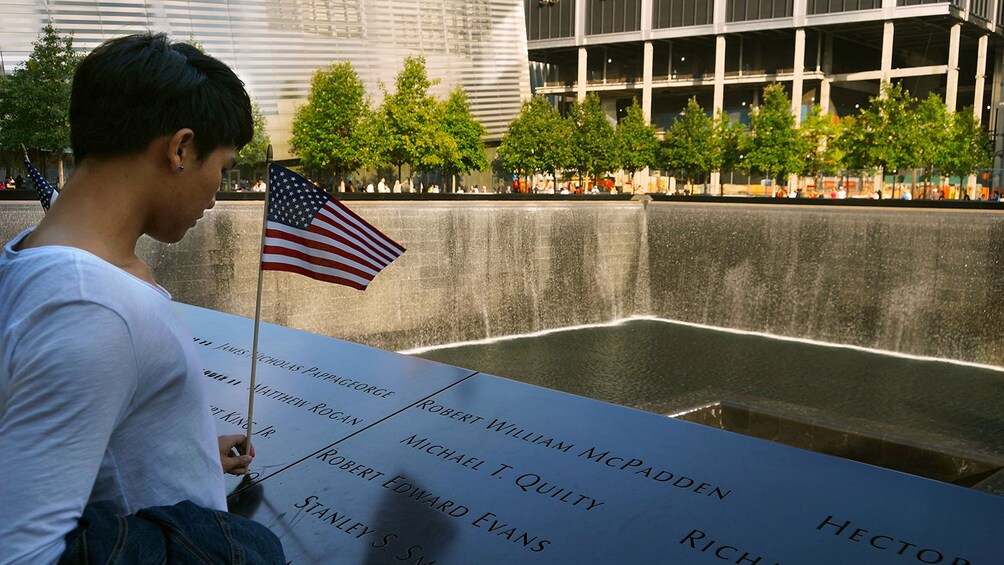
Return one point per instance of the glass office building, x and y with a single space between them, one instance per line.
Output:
829 52
276 45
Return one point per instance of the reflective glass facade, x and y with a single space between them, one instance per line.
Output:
276 45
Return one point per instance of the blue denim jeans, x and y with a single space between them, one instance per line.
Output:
184 533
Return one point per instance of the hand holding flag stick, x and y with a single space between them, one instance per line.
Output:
306 231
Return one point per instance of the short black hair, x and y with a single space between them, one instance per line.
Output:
134 89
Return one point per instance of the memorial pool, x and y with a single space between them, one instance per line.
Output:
919 281
666 367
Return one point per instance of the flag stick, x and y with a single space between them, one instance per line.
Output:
257 304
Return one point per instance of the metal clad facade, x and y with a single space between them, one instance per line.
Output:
276 45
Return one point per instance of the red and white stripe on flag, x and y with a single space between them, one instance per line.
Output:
337 245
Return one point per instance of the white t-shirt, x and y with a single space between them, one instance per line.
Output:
101 398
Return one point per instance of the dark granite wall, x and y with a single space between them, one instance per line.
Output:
925 282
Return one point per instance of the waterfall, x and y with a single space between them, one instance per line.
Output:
926 282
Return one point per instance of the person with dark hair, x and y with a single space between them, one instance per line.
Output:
110 451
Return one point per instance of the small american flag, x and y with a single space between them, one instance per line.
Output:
46 192
310 233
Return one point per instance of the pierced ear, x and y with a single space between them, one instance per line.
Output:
181 146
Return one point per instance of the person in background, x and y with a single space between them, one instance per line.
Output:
110 451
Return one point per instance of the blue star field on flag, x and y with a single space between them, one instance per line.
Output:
46 192
293 200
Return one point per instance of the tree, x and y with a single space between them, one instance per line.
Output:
853 143
933 125
254 152
968 148
536 141
593 150
691 149
410 119
327 130
775 147
467 133
35 99
884 134
822 155
637 143
731 141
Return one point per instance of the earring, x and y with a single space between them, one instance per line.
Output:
181 168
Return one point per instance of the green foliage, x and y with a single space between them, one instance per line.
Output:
933 130
254 152
35 99
896 139
775 146
593 147
819 132
691 147
968 148
536 141
467 134
731 140
637 143
410 118
329 131
896 132
885 134
852 143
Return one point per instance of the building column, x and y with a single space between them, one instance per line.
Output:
978 95
646 109
799 70
583 79
646 21
719 101
995 125
888 30
824 85
952 88
981 77
646 82
997 115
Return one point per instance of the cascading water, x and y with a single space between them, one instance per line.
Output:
926 282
